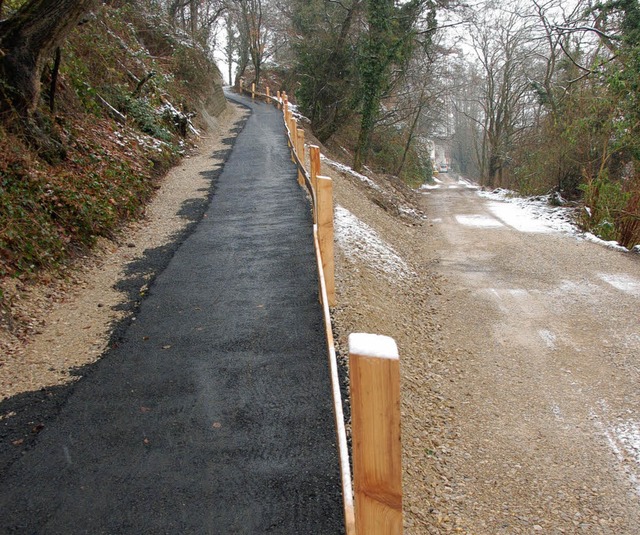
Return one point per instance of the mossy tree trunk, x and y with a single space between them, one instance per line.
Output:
28 39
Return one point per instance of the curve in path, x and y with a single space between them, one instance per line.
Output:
213 415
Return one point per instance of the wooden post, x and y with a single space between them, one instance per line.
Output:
374 373
301 154
268 93
253 91
279 104
293 131
285 110
324 196
314 159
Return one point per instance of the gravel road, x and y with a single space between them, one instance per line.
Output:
547 330
520 354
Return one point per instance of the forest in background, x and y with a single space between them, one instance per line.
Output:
97 99
538 96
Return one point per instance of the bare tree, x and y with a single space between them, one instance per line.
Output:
505 54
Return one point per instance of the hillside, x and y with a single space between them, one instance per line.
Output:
125 98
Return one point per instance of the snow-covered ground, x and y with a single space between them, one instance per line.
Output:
527 214
360 242
623 437
346 169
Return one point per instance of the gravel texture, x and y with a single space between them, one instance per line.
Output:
519 359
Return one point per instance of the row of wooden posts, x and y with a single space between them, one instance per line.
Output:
373 506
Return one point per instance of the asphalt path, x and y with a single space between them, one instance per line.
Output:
213 414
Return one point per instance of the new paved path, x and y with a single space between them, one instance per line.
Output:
214 414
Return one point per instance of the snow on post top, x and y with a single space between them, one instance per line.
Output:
373 345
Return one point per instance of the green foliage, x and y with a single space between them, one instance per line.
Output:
47 213
604 200
326 64
387 148
390 42
146 117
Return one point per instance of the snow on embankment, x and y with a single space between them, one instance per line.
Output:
360 242
536 214
390 199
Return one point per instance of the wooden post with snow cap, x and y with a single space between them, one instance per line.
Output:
301 154
374 374
324 197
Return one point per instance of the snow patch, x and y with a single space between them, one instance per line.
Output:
623 438
346 169
555 409
538 215
611 244
548 338
624 283
479 221
373 345
467 183
532 214
462 182
518 217
359 241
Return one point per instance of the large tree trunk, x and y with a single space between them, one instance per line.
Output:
28 40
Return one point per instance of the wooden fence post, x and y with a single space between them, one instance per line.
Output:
268 93
324 197
374 374
293 131
279 104
314 161
253 91
301 154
